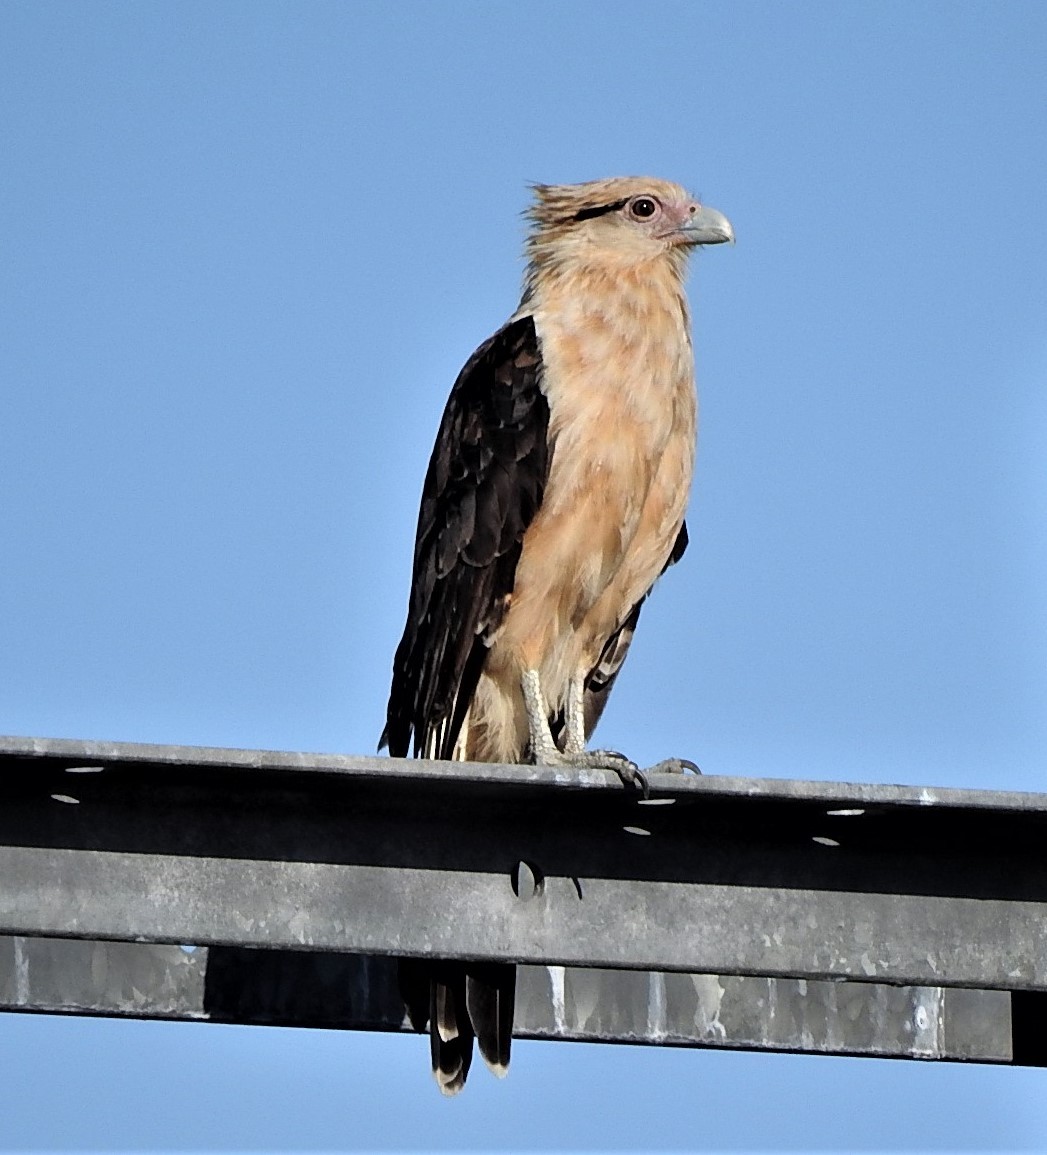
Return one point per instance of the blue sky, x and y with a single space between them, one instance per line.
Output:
244 250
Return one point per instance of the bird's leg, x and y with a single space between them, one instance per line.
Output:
545 752
543 748
574 733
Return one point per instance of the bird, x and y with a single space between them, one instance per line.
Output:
553 501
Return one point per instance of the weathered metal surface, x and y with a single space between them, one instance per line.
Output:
87 754
766 1013
377 856
102 978
578 920
589 1005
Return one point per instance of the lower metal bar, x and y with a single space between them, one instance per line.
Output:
307 988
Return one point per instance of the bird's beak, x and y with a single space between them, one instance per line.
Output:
705 226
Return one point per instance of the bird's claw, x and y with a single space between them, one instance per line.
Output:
674 766
632 775
625 768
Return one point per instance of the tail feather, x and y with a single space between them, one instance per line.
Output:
450 1031
490 993
460 1002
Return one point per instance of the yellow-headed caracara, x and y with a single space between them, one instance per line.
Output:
554 499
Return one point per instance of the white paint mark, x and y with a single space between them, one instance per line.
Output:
66 798
710 992
21 972
656 1005
927 1021
832 1016
656 802
636 830
559 997
844 813
84 769
823 841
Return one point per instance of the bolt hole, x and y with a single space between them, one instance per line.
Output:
527 880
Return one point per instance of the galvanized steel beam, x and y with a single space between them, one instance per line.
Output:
359 992
798 883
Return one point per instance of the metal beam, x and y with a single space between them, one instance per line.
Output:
359 992
797 882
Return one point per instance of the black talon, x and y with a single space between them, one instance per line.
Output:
632 775
626 769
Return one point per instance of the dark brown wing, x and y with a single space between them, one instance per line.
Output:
483 487
602 676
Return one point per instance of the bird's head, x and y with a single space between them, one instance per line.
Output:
619 222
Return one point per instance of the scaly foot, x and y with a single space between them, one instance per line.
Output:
625 768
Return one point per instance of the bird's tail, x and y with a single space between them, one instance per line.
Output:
490 997
461 1001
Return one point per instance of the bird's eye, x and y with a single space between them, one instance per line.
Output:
644 208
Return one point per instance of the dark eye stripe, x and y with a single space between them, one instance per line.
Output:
599 211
